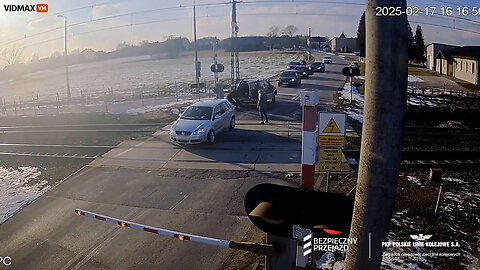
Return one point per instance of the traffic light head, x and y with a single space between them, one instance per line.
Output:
275 209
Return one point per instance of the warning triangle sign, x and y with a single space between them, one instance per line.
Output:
331 127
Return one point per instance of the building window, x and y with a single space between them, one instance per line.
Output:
473 68
466 66
461 65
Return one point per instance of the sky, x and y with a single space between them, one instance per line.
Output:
102 24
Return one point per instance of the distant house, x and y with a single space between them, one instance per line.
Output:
461 63
432 51
343 44
318 42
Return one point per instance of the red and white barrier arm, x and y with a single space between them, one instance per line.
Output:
258 248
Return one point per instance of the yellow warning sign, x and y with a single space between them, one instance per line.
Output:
330 160
331 141
331 127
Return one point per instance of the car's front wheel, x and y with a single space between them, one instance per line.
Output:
232 123
211 136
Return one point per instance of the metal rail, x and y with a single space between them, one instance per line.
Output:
85 125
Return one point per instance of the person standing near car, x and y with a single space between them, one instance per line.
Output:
262 106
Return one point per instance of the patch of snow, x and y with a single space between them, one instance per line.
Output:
19 187
392 262
354 109
164 107
413 179
412 78
453 180
461 197
351 160
329 261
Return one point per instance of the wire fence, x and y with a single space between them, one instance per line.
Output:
438 96
110 100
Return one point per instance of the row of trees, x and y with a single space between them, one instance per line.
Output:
416 43
15 63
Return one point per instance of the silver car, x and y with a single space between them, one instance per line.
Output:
202 121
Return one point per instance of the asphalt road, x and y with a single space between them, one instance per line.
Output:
287 107
141 187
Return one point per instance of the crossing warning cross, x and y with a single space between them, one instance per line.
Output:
331 127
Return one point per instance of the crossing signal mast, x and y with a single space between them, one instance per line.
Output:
234 56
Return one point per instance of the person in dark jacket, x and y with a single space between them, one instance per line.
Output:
262 106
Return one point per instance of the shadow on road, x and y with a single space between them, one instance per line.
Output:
318 87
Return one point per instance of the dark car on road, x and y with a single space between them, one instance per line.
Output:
246 91
292 65
290 78
303 70
317 67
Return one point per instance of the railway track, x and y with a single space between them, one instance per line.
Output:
424 130
423 158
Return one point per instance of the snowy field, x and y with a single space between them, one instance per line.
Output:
19 187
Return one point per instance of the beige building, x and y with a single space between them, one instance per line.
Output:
432 51
466 69
461 63
343 44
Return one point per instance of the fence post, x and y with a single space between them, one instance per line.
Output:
20 107
176 90
38 101
15 106
82 99
106 103
34 108
58 101
438 198
5 106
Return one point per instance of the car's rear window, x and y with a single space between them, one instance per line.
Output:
294 63
288 74
197 113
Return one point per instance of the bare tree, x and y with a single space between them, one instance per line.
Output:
12 55
272 34
273 31
290 30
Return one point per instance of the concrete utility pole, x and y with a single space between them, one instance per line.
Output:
215 74
69 96
385 104
197 66
234 56
309 44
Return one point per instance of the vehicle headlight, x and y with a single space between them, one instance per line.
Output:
199 131
293 80
304 73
